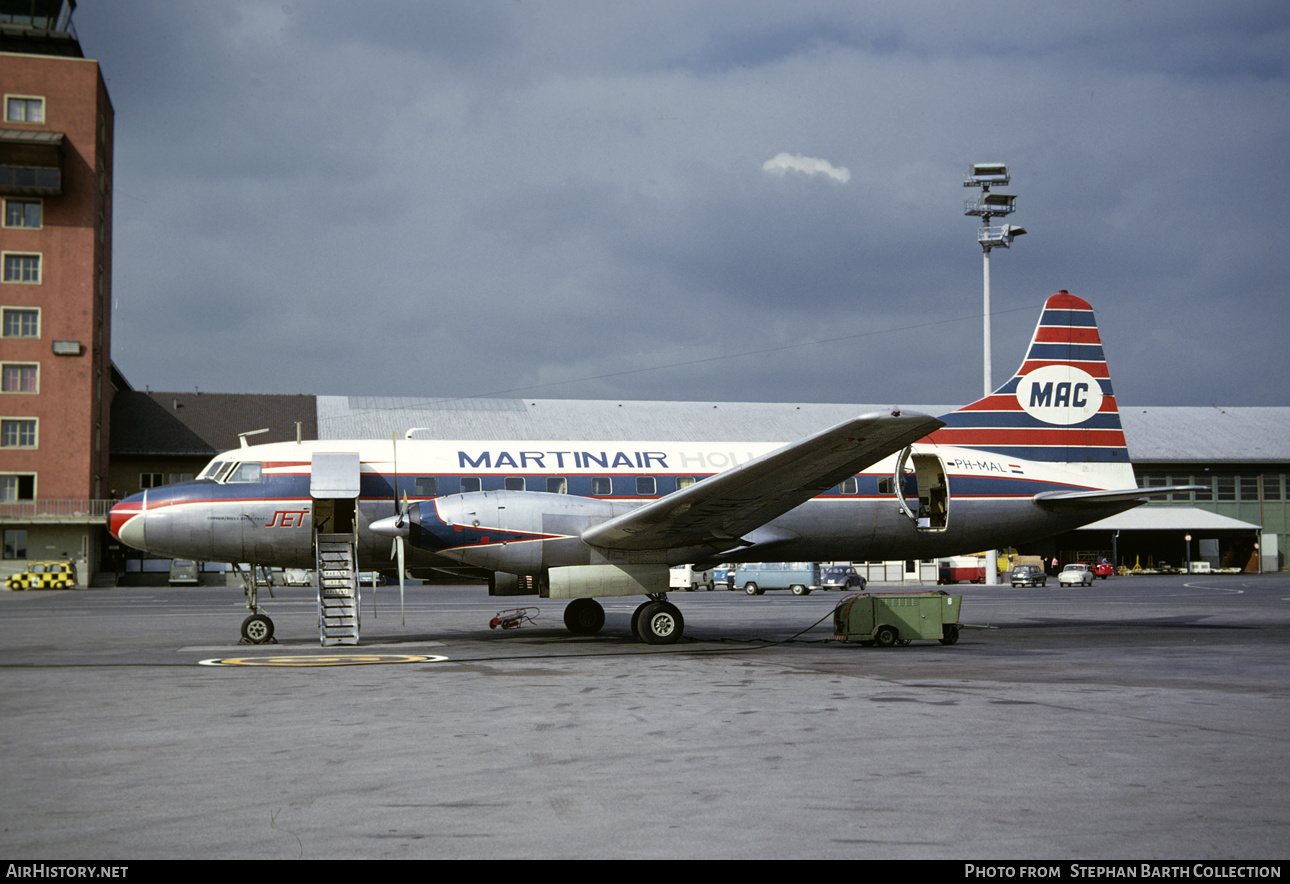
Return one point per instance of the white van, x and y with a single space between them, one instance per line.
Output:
687 578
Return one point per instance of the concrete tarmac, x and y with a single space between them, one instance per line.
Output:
1142 718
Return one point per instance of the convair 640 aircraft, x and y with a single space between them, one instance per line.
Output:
587 519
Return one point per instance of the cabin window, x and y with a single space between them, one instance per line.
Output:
887 486
557 485
513 483
470 484
645 486
850 486
601 485
684 482
245 472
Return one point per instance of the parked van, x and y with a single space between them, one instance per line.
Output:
800 577
687 578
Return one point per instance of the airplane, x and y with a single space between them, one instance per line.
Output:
582 520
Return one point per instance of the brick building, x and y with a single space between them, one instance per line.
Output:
56 378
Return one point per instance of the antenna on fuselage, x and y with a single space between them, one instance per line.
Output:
242 436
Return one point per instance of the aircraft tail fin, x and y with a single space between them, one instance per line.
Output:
1058 408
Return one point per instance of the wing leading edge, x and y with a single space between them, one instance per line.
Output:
719 510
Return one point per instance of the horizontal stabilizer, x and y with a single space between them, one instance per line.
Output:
1070 500
718 511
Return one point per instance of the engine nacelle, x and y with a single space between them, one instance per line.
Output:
520 532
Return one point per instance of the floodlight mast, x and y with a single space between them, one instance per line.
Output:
986 205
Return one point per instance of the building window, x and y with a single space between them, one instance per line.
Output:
19 377
18 433
20 323
1207 490
24 109
21 268
17 488
1249 487
150 480
179 477
22 213
1271 486
1227 488
15 544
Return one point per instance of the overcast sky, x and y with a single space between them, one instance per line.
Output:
715 200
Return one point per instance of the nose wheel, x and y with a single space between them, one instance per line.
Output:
257 629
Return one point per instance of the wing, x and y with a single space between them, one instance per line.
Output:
719 510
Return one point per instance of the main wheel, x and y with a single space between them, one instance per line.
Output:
257 629
951 634
584 616
660 623
886 636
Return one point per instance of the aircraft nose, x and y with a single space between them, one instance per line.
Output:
125 520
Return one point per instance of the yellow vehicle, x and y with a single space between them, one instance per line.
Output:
43 575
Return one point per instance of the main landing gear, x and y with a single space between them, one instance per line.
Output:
656 622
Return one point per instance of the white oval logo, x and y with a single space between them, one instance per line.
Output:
1060 394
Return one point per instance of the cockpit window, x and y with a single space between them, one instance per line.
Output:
244 472
212 470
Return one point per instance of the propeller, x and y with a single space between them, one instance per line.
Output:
396 551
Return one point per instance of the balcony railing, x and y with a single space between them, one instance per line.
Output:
55 510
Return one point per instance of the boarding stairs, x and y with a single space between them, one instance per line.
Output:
338 594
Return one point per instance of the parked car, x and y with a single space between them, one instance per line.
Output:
841 577
1075 573
1029 575
1103 569
43 575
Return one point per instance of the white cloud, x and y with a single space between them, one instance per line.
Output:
782 162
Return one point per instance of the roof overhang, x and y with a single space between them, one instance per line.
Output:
1170 518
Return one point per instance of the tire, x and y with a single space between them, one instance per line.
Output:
257 629
711 586
584 617
660 623
751 589
799 589
885 637
950 634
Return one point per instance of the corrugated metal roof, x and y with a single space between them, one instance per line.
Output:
1169 518
1185 434
341 417
1181 434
